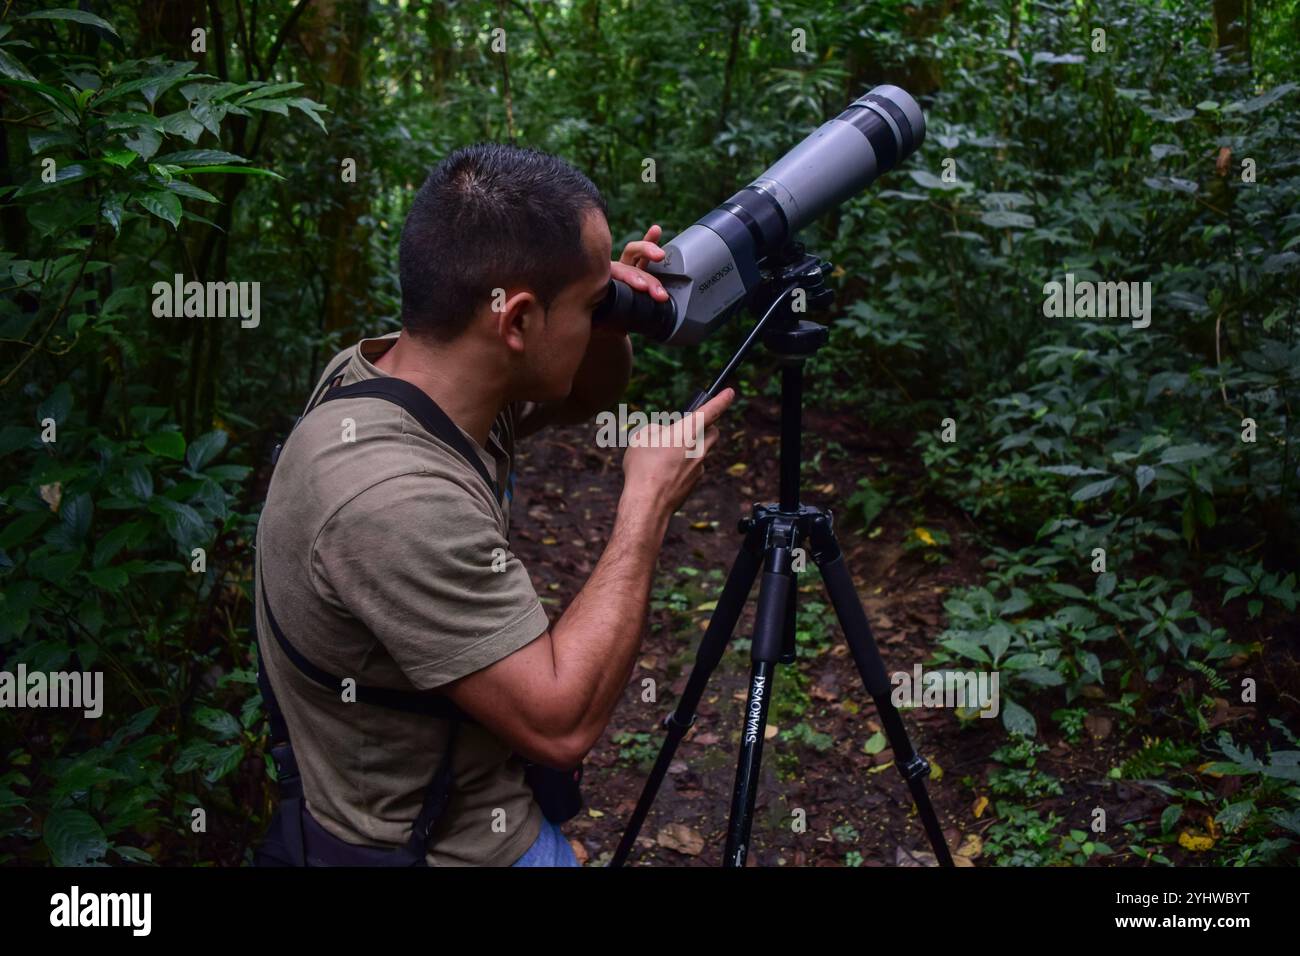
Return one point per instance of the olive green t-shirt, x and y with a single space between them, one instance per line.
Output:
386 560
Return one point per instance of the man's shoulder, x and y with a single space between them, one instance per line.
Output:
366 457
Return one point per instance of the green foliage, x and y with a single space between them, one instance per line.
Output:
121 524
1019 776
1254 822
1023 837
867 502
131 440
637 748
803 733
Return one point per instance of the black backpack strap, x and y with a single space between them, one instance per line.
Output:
287 836
423 409
426 703
436 796
429 703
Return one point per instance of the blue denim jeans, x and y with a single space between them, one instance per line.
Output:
551 848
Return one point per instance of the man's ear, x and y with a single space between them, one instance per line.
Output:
514 317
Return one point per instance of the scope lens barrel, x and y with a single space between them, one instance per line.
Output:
833 164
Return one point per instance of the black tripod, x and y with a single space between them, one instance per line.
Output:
773 534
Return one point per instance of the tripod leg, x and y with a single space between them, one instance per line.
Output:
789 651
716 637
770 629
853 620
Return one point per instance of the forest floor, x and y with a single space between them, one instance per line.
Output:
856 806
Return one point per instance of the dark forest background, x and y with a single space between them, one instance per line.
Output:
1170 154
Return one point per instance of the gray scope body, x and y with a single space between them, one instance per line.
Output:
712 264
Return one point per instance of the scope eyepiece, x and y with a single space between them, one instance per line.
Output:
635 312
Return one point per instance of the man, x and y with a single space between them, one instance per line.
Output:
385 555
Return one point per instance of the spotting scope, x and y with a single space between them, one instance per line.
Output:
712 265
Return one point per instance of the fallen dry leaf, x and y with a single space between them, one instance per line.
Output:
1196 842
681 838
971 847
52 495
980 806
1098 726
914 857
1224 161
579 851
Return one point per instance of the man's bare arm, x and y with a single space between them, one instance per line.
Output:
552 699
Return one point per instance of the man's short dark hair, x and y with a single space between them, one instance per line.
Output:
491 216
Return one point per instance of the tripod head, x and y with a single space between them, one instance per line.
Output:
803 276
791 283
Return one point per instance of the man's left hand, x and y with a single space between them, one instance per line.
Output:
630 267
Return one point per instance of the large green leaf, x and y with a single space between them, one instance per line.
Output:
164 205
78 16
244 170
1017 720
11 68
1093 490
144 143
74 838
200 157
166 444
205 448
1181 453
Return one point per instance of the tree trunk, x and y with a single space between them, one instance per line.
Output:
335 34
1230 28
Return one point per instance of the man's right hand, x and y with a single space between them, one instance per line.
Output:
663 463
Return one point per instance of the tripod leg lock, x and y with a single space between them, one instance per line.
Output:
915 769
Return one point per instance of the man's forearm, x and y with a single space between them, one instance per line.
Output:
597 638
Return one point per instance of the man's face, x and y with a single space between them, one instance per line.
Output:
555 346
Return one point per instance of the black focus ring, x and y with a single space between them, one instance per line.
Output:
878 134
900 120
764 218
748 221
